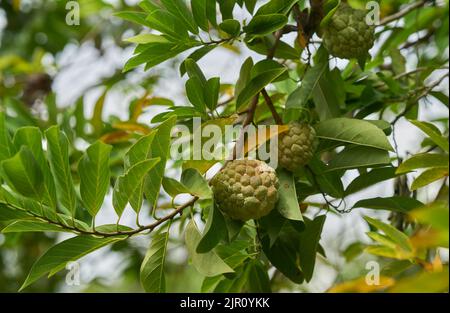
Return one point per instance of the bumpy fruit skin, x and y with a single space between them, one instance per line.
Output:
348 35
246 189
296 146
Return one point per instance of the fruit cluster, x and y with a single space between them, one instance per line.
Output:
248 189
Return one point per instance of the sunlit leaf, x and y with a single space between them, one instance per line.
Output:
152 268
94 173
208 264
56 258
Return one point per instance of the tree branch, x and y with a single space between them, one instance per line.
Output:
269 103
402 13
128 233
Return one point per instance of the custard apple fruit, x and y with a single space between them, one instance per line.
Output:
296 146
246 189
348 35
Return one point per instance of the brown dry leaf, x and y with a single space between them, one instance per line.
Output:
115 137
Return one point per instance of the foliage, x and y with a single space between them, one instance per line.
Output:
51 184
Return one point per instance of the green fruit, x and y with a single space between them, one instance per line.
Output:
296 146
348 35
245 189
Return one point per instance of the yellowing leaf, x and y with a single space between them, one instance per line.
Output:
423 282
361 286
132 127
254 141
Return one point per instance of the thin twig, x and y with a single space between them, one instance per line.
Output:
424 93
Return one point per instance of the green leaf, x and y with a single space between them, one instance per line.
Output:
358 132
264 44
56 258
250 5
196 55
272 225
262 74
244 76
199 13
146 38
433 133
429 176
208 264
215 230
128 183
152 268
194 70
94 173
276 6
358 157
233 283
23 226
23 174
149 5
182 112
156 53
196 183
287 203
353 250
168 24
211 12
328 182
329 95
371 178
284 253
58 156
234 253
173 187
32 138
179 9
309 242
329 9
299 97
194 91
258 279
231 27
159 149
133 16
382 239
423 160
398 61
391 232
5 140
396 203
265 24
383 125
139 151
80 120
211 93
226 8
8 214
210 283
